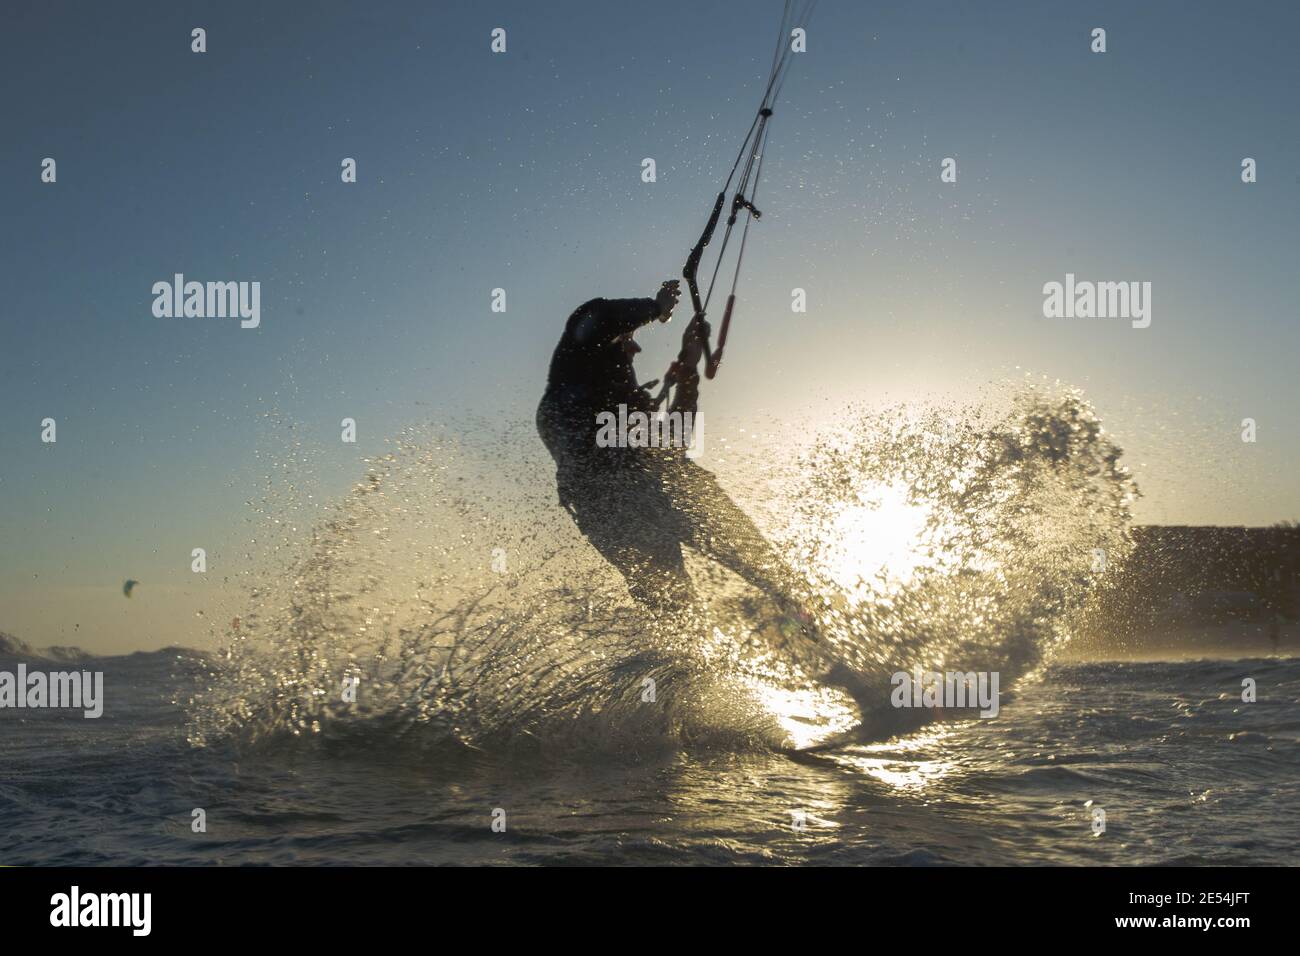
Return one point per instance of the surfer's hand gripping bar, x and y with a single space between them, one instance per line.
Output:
666 299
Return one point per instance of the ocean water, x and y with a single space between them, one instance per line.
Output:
439 651
1185 772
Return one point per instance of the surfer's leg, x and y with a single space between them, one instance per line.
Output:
656 578
634 527
662 587
721 531
726 534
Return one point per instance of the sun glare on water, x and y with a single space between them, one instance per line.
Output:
881 535
875 544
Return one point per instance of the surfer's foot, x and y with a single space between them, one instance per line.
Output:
852 684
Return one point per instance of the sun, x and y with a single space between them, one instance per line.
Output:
879 535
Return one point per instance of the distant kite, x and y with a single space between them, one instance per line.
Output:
128 587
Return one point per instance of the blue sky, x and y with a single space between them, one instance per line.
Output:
522 171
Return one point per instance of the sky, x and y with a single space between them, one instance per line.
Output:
522 171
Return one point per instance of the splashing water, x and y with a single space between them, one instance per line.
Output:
946 542
470 613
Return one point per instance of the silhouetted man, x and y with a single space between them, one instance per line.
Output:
638 506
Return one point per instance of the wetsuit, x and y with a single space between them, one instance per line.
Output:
638 506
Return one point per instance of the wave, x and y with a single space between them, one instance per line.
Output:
447 601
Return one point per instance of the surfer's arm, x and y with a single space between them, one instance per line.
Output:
601 321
